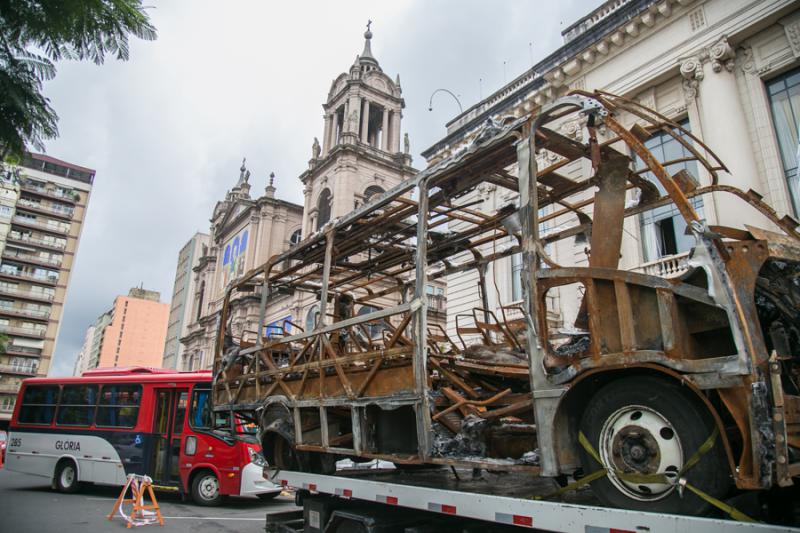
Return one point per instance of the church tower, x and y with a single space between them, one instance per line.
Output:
362 153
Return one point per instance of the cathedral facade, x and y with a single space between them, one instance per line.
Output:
363 153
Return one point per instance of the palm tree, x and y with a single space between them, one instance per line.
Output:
34 34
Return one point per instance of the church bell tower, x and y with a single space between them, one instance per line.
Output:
362 152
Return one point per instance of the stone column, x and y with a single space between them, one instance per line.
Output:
385 130
365 122
710 78
395 147
326 135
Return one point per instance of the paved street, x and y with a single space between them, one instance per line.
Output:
28 504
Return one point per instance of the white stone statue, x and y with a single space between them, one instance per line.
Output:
353 121
406 144
315 149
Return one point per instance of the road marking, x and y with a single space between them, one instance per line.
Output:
208 518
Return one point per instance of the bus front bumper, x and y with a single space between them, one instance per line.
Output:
253 482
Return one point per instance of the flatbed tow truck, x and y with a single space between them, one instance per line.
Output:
667 395
377 499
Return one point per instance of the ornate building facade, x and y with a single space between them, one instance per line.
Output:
361 154
726 70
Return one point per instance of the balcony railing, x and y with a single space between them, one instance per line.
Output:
36 313
24 275
58 211
36 295
46 192
9 389
13 349
31 332
17 369
36 224
6 408
666 267
55 261
437 303
33 240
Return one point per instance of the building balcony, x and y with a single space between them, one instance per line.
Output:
31 258
36 207
9 389
19 274
670 266
28 294
17 370
437 303
26 332
24 313
48 193
6 409
27 239
23 351
23 221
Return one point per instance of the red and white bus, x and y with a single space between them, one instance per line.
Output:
111 422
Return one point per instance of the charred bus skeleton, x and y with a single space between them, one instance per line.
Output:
653 374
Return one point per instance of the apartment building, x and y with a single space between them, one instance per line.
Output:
131 333
43 203
181 306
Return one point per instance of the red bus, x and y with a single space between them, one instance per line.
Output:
108 423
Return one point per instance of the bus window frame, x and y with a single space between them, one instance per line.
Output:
22 404
118 406
59 405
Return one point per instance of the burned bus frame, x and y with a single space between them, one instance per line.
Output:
316 392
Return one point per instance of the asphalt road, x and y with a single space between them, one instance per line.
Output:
28 504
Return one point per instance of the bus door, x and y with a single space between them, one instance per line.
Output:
170 413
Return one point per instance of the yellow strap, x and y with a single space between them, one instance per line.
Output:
659 478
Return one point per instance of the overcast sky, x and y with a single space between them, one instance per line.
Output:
167 130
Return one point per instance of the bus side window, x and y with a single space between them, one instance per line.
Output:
200 415
180 413
77 405
38 404
119 406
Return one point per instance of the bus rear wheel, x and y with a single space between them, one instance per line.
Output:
647 425
205 489
66 477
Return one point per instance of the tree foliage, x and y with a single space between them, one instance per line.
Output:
36 33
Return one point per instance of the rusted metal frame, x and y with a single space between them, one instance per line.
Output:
609 212
498 326
675 192
625 315
473 403
567 275
639 110
348 388
371 317
420 326
379 361
449 211
455 379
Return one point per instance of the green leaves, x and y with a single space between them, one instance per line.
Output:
36 33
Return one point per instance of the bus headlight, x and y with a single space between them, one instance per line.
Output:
190 448
256 458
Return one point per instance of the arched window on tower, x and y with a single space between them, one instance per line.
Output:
296 237
323 208
371 192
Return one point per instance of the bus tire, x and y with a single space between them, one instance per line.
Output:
205 489
649 425
66 477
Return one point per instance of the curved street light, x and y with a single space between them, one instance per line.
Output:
430 104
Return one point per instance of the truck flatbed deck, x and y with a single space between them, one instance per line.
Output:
505 499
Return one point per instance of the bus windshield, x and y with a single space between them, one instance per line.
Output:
204 417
